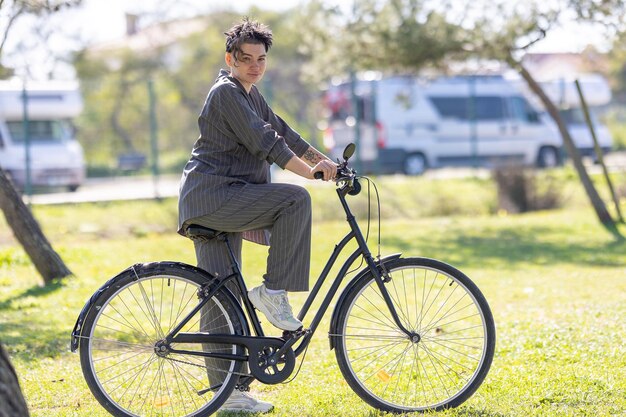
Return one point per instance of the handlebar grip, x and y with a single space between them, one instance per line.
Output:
318 175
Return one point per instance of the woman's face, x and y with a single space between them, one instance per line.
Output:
250 65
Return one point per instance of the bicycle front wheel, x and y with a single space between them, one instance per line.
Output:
443 361
120 354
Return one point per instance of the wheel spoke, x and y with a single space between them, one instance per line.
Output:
118 348
436 366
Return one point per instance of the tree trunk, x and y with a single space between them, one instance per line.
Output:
601 211
12 403
27 231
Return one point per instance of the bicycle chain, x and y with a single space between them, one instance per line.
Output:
202 366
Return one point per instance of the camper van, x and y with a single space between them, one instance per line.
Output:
56 158
409 124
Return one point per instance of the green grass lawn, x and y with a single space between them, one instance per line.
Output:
555 281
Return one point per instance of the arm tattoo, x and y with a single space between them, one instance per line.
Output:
312 156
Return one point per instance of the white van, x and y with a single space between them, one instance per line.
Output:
410 124
56 158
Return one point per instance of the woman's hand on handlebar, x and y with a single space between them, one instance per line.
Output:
327 168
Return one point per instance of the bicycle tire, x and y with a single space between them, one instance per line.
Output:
394 373
120 332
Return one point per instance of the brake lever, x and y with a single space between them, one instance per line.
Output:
345 174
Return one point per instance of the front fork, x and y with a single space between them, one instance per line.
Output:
381 276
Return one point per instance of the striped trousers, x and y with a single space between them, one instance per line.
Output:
284 210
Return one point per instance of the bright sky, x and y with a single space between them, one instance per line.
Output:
100 20
105 18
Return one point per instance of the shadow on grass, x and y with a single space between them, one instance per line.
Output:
32 334
512 246
32 342
36 291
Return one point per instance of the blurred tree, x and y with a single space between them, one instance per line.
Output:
39 35
523 27
612 15
12 403
409 35
184 68
318 30
24 226
27 231
392 36
185 86
617 67
115 115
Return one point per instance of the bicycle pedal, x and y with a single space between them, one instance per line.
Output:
296 333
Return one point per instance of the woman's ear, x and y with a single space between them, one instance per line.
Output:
228 57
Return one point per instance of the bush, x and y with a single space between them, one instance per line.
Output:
521 190
412 198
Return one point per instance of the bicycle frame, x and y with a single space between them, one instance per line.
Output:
437 364
259 338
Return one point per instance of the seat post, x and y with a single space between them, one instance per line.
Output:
241 285
231 253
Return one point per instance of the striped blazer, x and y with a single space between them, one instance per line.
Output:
240 137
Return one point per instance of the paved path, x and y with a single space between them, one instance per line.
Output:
136 188
131 188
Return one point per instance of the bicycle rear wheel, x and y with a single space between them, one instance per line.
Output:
122 364
449 354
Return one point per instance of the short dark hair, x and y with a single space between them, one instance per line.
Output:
248 31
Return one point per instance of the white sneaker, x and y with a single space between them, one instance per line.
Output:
275 307
245 403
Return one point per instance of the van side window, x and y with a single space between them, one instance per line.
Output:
451 107
39 131
521 110
573 116
489 108
460 108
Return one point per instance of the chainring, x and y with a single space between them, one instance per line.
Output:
269 369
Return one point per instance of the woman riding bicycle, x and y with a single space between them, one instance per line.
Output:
226 184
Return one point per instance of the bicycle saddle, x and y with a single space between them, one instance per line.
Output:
201 233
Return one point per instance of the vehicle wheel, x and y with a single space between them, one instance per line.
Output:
119 346
441 364
548 157
415 164
72 188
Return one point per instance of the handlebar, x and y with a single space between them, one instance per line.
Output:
346 175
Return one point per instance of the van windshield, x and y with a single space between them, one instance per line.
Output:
467 108
41 131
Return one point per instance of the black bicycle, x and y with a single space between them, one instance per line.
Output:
169 339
